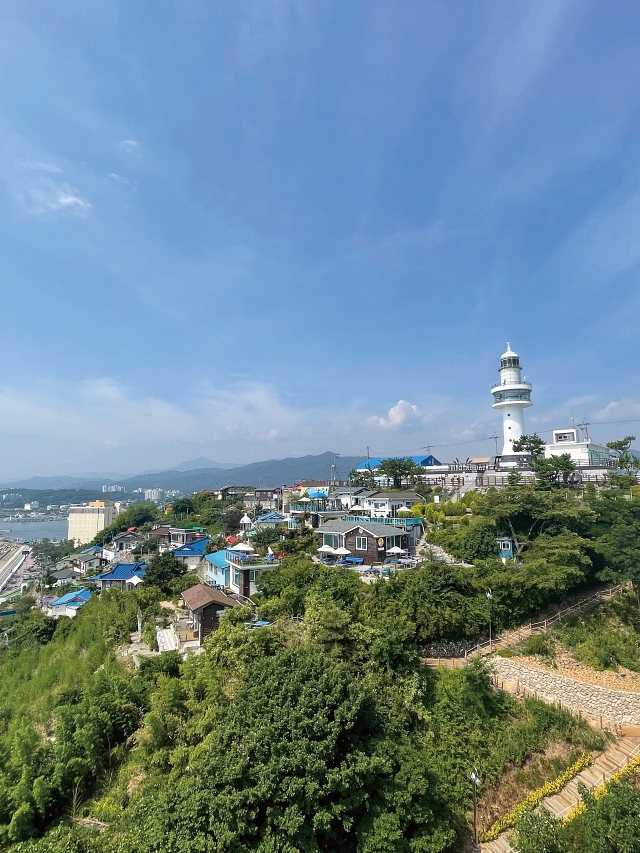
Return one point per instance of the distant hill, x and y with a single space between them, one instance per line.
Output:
273 472
57 483
202 462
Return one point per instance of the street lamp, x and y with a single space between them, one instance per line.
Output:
489 599
475 778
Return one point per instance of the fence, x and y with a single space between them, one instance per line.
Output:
515 688
510 638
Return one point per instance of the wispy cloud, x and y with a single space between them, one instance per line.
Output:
44 167
45 196
129 144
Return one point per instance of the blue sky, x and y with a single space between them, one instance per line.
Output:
248 230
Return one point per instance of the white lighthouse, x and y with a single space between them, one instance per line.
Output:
513 396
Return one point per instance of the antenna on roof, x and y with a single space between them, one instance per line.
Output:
585 426
427 447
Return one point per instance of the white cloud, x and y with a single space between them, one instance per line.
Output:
117 178
129 144
400 415
48 197
44 167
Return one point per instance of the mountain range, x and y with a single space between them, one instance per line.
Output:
193 476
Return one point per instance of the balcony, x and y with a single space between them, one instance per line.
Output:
512 385
242 560
400 521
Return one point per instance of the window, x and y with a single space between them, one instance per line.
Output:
236 577
361 543
331 539
389 542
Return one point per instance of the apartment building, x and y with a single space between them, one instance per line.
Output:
85 522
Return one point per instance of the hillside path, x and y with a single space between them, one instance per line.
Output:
602 768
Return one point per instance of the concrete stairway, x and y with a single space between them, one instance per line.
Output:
602 768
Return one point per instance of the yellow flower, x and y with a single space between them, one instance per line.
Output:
535 797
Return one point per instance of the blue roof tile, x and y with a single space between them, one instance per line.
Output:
192 549
122 572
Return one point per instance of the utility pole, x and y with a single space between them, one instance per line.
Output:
495 438
333 469
585 426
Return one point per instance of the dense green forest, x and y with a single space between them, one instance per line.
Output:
321 732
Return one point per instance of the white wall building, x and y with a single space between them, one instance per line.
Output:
85 522
584 453
154 495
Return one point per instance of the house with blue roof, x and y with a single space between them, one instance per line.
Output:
269 519
217 571
374 463
121 576
68 605
192 554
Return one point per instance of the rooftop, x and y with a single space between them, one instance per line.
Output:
122 572
192 549
375 528
200 595
423 461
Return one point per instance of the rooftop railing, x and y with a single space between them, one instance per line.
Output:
243 560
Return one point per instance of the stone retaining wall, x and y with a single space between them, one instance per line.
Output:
590 700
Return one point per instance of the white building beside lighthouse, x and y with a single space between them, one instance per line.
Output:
512 395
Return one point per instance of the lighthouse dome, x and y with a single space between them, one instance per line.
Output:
509 353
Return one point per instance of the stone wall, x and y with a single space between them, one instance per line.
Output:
590 700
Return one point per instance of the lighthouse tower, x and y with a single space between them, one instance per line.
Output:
513 396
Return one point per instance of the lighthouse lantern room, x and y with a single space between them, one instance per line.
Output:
512 395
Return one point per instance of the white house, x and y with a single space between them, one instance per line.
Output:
584 453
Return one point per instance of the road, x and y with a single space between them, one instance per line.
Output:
10 563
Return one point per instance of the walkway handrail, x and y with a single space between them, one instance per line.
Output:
509 638
607 774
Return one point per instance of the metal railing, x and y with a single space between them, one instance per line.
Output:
606 774
510 638
393 522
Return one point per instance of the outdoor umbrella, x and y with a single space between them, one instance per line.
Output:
343 551
326 549
135 580
305 500
405 509
242 546
395 550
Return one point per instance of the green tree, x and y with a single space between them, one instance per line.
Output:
266 536
302 763
183 506
549 472
163 570
22 824
538 832
363 478
400 470
134 516
610 824
532 444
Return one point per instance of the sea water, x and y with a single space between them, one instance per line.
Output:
31 530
